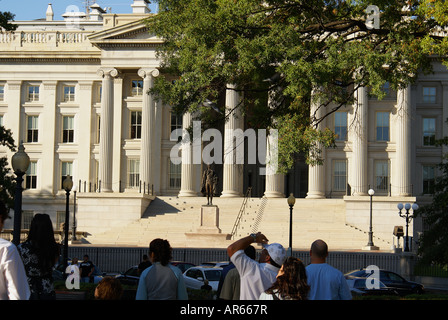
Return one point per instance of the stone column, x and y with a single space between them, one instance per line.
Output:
403 144
187 178
106 129
157 148
275 182
316 173
232 168
118 185
148 115
359 183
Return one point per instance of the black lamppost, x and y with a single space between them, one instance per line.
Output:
370 243
67 185
291 202
20 162
74 215
408 218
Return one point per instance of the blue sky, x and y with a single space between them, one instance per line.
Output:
35 9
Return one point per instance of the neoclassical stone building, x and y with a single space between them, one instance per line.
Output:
73 91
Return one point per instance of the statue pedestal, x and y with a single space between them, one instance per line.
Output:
208 234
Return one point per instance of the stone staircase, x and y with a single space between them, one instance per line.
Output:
170 217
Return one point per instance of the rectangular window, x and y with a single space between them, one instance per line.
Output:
382 126
69 93
66 170
32 134
382 176
429 94
175 175
2 92
137 87
136 124
33 93
31 176
339 175
176 121
428 179
340 126
27 217
133 173
68 129
1 120
429 131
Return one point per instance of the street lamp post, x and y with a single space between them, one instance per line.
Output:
67 184
20 162
370 245
74 215
408 218
291 202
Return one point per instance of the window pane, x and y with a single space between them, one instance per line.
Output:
134 173
382 176
382 126
339 175
429 94
429 131
136 125
340 125
428 179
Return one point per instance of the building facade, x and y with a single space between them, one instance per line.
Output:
73 91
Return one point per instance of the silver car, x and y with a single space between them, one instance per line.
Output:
195 276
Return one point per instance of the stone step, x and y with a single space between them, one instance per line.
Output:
171 217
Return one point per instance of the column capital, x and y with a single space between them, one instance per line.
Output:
107 72
143 72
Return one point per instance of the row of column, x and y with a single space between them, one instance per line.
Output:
358 177
148 159
232 167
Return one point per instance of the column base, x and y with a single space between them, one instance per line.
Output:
274 194
230 194
187 193
315 195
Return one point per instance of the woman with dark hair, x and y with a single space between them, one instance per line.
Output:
291 282
39 254
161 281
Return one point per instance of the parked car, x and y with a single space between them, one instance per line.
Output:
183 266
195 276
358 287
220 264
131 276
391 280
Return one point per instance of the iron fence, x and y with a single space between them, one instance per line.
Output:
119 259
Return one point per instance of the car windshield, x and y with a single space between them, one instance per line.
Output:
212 275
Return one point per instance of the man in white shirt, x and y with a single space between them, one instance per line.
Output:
13 281
255 276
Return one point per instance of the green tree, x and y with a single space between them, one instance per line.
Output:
5 21
433 244
7 182
278 52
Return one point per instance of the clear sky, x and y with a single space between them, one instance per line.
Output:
35 9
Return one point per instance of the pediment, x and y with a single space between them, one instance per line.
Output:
132 33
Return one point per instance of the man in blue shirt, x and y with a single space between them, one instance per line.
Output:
326 282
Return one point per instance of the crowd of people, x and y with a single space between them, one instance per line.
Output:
26 271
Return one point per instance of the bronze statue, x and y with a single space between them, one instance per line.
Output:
209 183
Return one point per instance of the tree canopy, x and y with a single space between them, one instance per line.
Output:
5 21
433 244
278 52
